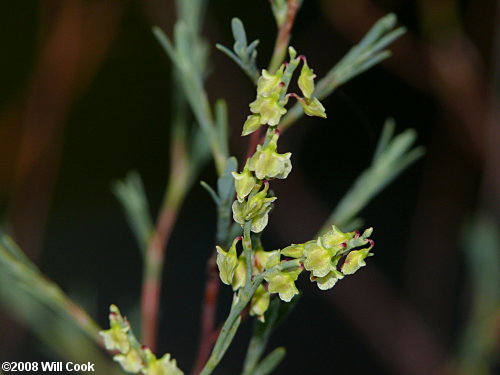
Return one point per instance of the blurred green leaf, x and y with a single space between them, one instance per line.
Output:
211 192
270 362
274 316
367 53
58 322
479 342
132 196
392 156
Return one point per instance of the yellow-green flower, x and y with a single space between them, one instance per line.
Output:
264 260
306 80
312 107
283 282
318 259
328 281
269 108
255 209
355 260
244 182
335 238
163 366
131 361
266 163
269 83
240 276
116 338
295 250
227 262
260 303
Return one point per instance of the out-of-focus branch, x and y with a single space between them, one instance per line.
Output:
75 39
284 35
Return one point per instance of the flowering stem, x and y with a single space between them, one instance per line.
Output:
240 301
283 38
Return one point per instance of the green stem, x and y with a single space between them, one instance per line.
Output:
247 250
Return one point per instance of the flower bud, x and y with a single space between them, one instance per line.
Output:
251 124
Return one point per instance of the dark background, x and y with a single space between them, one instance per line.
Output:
84 98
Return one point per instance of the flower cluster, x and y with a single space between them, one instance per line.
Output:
321 257
269 105
133 357
252 188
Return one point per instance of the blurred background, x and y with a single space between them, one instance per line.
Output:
85 97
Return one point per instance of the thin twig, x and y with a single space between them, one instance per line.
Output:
155 255
284 34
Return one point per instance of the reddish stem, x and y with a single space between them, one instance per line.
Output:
151 286
208 334
284 34
155 254
254 140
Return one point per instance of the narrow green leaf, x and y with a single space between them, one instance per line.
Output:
251 48
275 315
166 44
270 362
359 68
11 247
385 138
378 29
132 197
211 192
392 157
388 39
230 53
